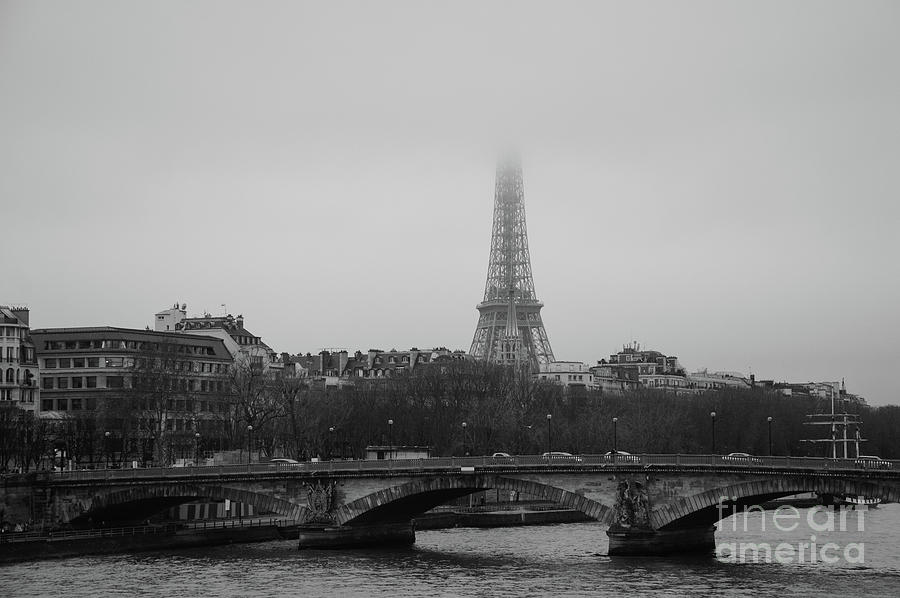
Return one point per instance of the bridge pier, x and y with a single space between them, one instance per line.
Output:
649 542
378 535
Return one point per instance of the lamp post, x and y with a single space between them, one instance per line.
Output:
770 419
106 447
196 449
249 444
391 439
712 415
549 443
615 435
331 443
465 438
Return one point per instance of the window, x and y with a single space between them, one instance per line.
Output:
78 362
62 404
84 344
49 363
114 362
77 382
90 382
93 362
47 383
115 382
62 383
76 404
5 394
46 404
65 362
70 345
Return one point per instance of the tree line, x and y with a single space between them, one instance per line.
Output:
455 407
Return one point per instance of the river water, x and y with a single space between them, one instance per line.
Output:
553 560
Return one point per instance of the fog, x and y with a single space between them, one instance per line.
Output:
717 181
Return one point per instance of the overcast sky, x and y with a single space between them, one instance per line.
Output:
716 180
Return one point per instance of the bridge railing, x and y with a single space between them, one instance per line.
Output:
739 461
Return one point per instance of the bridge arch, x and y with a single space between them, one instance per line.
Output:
143 501
704 508
403 502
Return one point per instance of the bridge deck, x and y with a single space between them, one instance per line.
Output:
487 464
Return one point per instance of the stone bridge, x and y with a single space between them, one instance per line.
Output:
652 503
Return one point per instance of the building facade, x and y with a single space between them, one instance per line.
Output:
633 367
704 380
19 372
336 368
567 373
244 346
139 384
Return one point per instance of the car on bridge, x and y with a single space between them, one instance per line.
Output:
872 462
559 456
620 457
741 459
284 461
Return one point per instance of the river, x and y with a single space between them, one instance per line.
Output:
554 560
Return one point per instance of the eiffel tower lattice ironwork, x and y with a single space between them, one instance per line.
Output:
510 330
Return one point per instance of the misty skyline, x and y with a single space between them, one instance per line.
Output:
717 181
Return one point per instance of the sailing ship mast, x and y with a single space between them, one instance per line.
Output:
840 424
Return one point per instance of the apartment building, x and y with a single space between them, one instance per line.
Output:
18 363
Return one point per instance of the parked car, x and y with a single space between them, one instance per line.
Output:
502 458
872 462
284 461
561 456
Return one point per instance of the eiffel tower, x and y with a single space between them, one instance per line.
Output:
510 330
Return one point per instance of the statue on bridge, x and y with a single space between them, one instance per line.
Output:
320 501
632 508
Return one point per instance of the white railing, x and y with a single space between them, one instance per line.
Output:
487 463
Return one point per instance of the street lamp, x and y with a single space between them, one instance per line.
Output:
249 443
770 419
196 449
549 443
391 439
331 443
465 452
615 435
106 447
712 415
